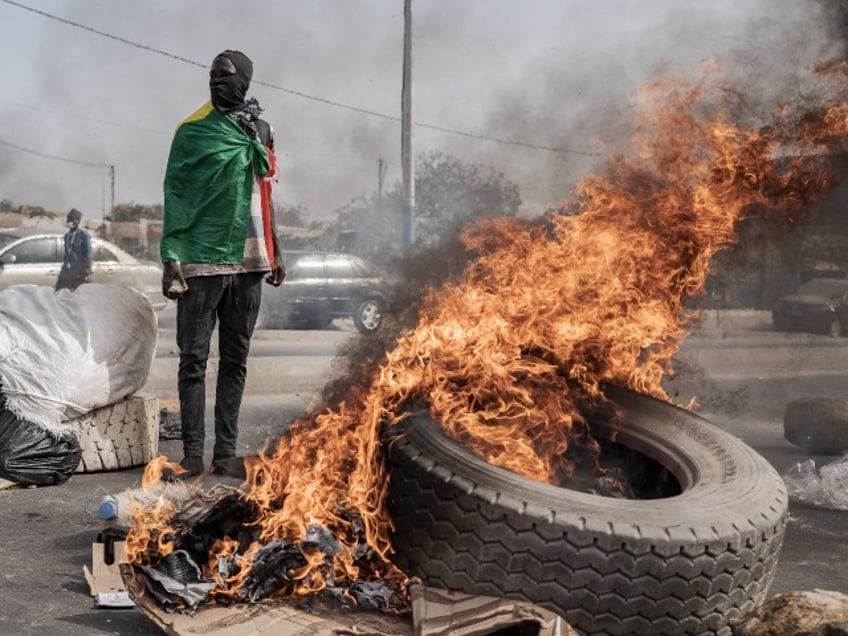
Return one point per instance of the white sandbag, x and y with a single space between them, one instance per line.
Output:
63 354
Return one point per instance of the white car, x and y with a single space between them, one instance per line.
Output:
34 257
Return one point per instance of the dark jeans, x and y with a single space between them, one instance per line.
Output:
233 301
68 280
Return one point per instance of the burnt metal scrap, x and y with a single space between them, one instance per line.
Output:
219 512
272 569
322 539
369 595
176 580
176 583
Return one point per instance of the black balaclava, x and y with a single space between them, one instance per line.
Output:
74 217
229 91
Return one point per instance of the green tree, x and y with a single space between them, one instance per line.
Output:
449 194
291 215
39 212
124 212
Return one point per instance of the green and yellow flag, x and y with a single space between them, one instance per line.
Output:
208 186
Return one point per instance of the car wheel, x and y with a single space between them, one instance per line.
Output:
368 316
685 564
835 327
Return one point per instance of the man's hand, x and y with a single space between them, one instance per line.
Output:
278 274
173 283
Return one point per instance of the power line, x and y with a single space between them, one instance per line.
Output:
79 162
508 141
103 33
323 100
94 120
284 152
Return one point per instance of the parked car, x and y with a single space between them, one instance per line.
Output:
818 306
322 286
34 256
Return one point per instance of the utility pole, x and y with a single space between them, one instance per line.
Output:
406 141
112 184
381 172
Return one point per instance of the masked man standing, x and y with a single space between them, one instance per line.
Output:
218 244
76 264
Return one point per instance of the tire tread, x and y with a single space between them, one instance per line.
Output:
602 577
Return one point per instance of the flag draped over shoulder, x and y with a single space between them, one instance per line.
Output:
208 187
259 250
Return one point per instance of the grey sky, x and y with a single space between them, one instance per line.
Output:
553 73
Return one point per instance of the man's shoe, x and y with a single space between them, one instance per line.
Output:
229 466
192 465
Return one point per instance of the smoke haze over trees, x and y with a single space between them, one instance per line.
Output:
449 194
543 73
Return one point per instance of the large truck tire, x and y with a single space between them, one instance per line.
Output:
686 564
120 435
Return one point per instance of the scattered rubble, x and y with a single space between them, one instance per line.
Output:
815 613
826 487
173 591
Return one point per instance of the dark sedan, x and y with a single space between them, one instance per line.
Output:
322 286
31 256
818 306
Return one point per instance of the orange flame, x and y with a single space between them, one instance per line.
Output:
548 314
150 523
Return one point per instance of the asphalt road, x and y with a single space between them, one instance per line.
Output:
744 375
741 372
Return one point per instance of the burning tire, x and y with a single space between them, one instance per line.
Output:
685 564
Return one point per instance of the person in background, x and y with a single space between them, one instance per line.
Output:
219 242
76 263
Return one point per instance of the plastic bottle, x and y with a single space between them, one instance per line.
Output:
115 509
108 508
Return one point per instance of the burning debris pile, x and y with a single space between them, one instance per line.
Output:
511 357
218 522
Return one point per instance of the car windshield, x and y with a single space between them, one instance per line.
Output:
5 239
823 287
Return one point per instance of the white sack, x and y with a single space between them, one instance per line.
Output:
63 354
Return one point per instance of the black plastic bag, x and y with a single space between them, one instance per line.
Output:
30 456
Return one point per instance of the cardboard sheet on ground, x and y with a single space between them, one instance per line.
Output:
435 612
104 578
63 354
